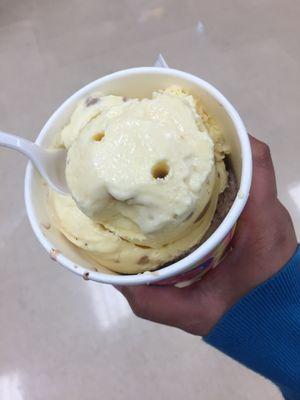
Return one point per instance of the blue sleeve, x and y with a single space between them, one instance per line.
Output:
262 331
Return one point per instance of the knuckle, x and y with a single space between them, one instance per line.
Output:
138 309
137 306
283 225
137 301
262 154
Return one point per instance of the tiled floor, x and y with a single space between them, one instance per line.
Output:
62 337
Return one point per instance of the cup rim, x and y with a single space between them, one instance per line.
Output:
187 262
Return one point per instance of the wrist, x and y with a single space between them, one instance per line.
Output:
267 321
234 288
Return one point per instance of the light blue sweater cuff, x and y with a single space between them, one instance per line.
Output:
262 331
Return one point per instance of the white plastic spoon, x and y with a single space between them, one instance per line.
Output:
50 163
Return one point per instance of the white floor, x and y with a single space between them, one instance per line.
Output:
62 337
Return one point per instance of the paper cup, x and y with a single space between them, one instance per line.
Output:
141 82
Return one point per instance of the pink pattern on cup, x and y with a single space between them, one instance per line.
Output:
209 262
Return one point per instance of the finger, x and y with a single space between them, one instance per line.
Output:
263 187
166 304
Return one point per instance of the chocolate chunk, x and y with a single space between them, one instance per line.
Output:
90 101
143 260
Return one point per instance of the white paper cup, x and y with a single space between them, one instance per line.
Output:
141 82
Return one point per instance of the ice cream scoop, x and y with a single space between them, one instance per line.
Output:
145 177
143 168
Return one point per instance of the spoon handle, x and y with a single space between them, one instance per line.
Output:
161 62
17 143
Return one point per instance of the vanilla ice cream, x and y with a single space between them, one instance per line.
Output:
145 178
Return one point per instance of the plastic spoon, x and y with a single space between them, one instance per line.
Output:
50 163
